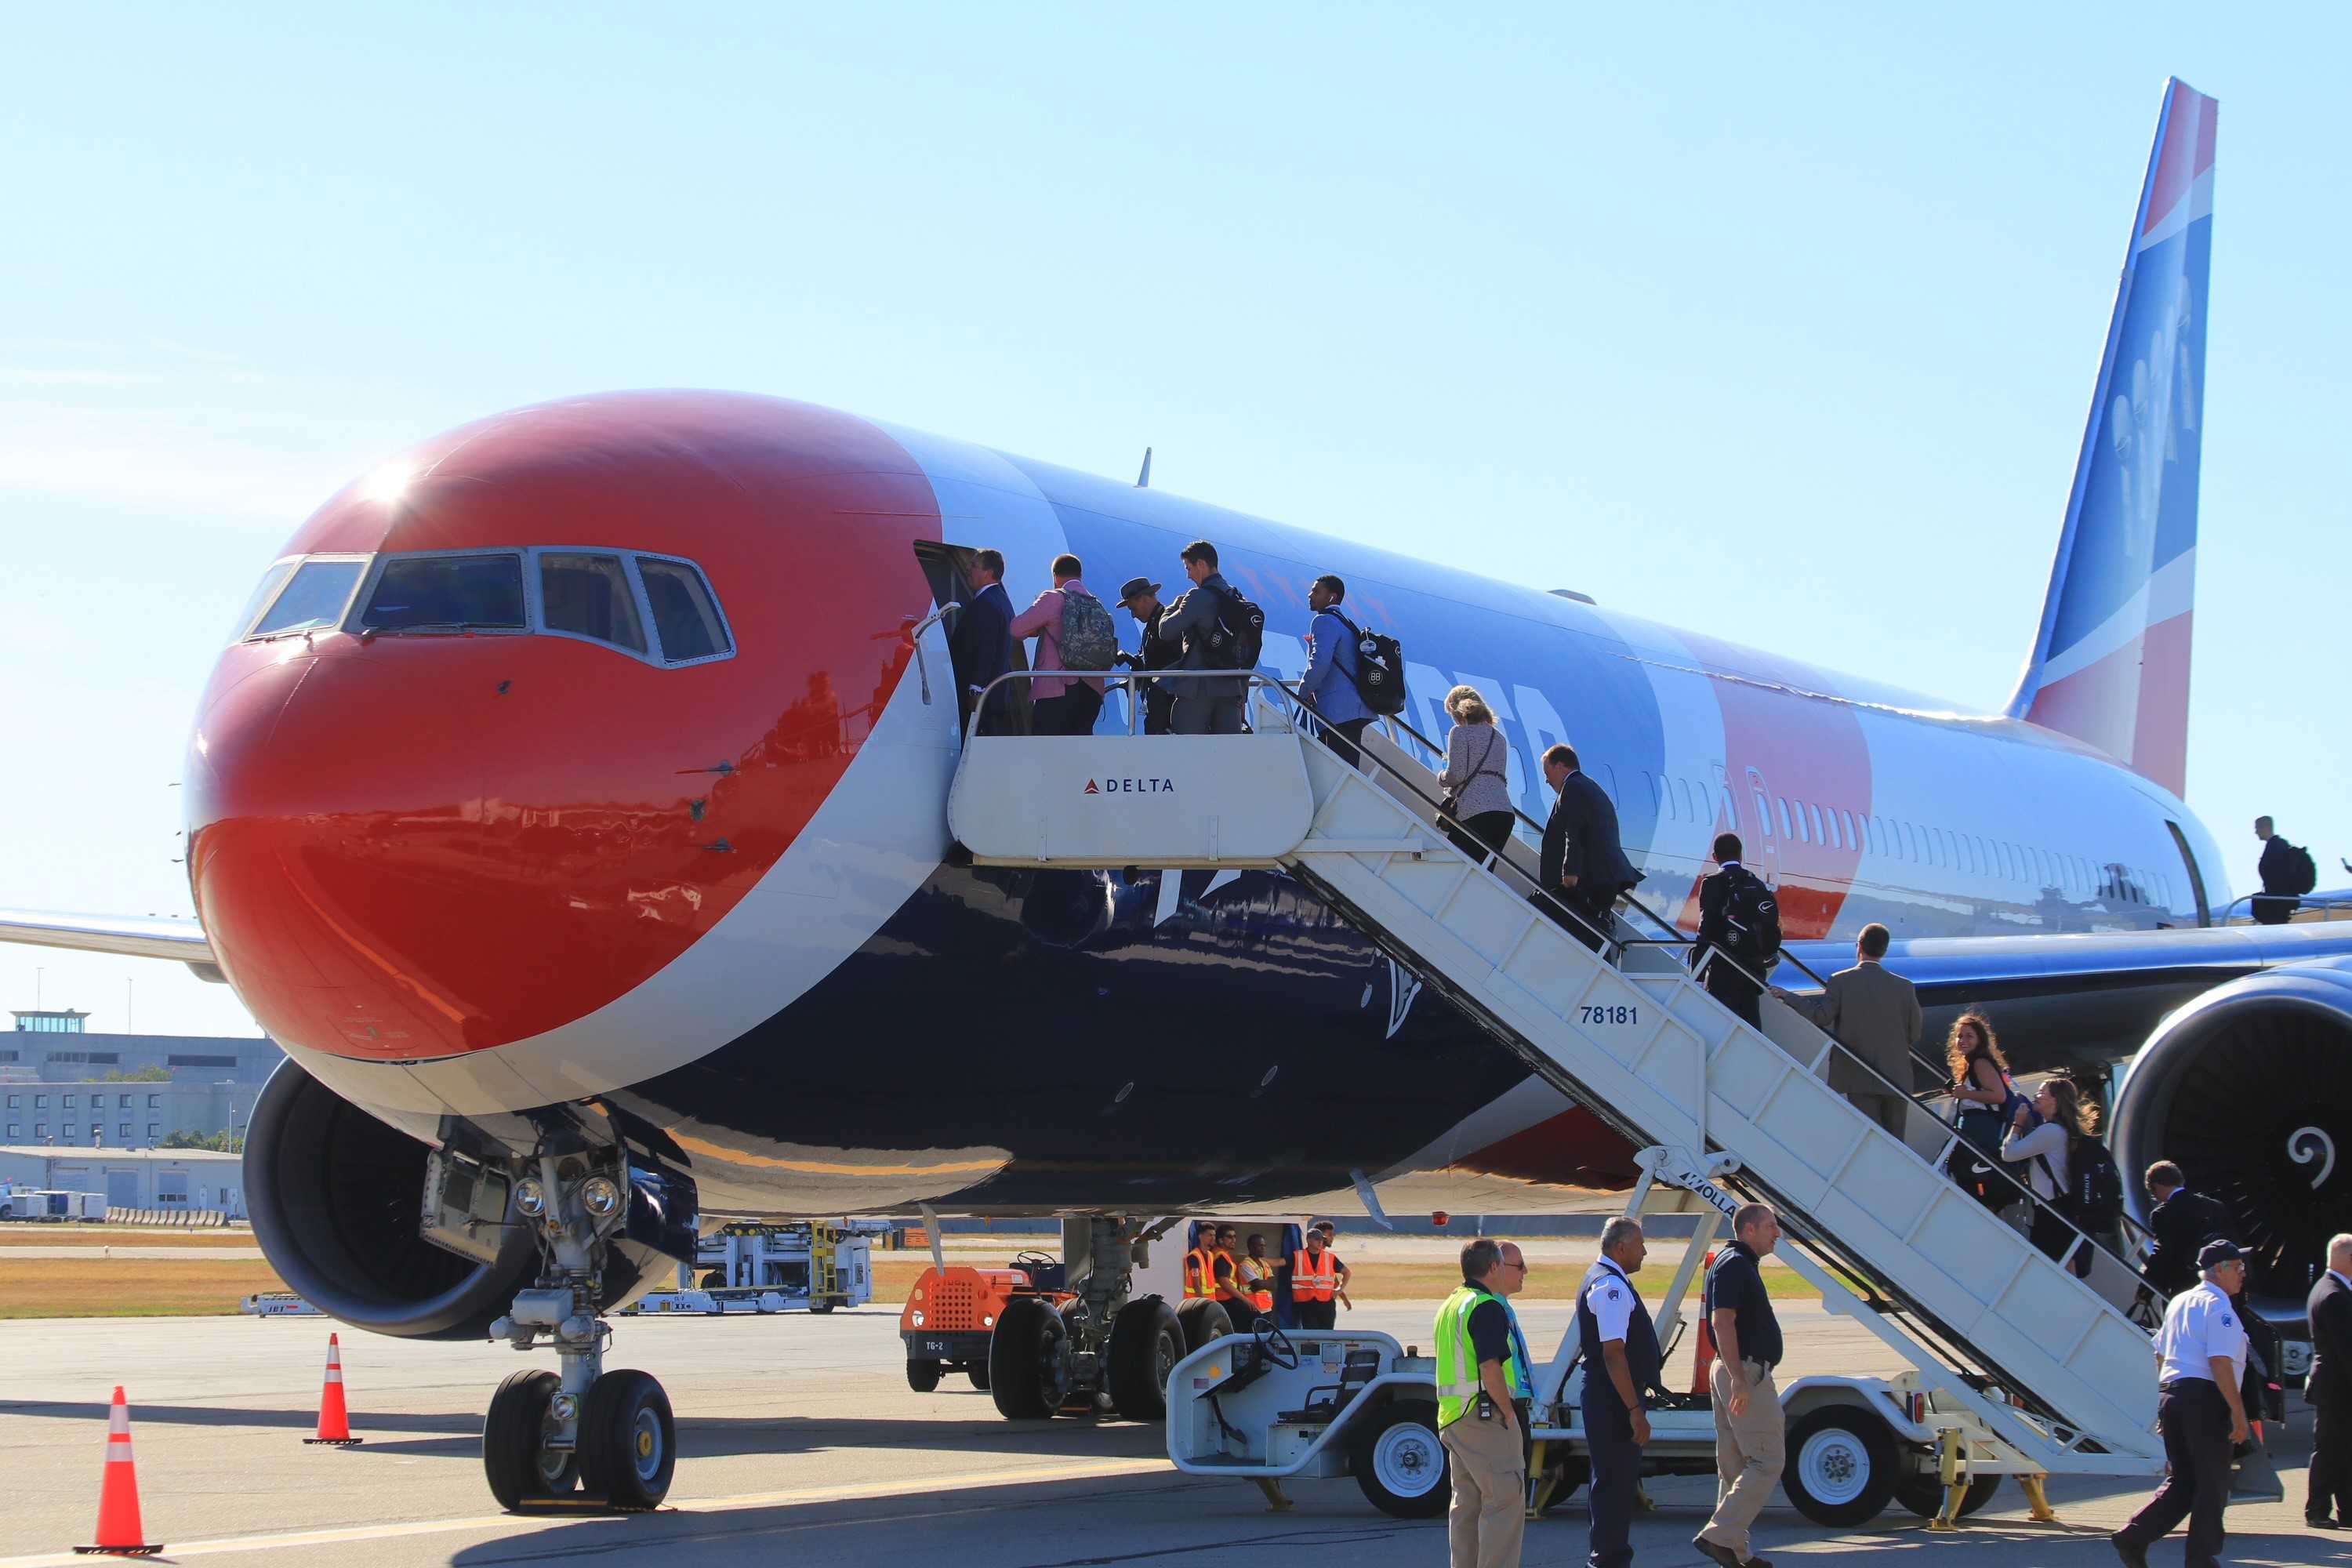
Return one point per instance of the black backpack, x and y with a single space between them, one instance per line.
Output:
1236 637
1752 920
2302 875
2094 1188
1380 668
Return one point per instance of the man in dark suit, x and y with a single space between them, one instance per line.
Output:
2180 1222
1583 864
1738 917
980 646
2329 1389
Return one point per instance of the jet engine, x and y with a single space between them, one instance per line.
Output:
2247 1088
338 1201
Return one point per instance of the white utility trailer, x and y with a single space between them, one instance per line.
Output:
800 1266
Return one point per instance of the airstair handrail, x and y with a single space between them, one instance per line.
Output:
2338 906
2147 1302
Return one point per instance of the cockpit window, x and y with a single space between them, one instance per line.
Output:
314 598
271 580
685 613
446 594
589 597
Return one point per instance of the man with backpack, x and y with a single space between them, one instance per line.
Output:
1738 918
1220 630
2287 872
1329 685
1074 632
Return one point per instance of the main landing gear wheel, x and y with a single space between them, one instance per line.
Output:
922 1376
1399 1464
1029 1360
1145 1346
1206 1322
1924 1495
1841 1466
521 1468
628 1441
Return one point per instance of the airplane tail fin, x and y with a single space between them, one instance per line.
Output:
2110 664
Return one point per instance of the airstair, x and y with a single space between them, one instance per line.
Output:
2047 1363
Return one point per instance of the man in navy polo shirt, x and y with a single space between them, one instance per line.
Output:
1749 1442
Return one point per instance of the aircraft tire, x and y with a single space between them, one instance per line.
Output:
1146 1344
628 1441
517 1468
1029 1360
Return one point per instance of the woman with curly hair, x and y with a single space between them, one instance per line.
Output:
1980 1083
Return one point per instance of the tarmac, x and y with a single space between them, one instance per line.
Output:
798 1435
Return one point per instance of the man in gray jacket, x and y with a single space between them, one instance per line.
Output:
1202 707
1874 1012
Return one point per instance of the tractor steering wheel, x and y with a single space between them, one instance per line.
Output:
1274 1345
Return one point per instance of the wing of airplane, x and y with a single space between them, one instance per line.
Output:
131 936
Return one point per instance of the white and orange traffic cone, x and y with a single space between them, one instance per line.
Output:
334 1420
1703 1358
118 1499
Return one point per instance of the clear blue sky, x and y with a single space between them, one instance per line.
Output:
1777 321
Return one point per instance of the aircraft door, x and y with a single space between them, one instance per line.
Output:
2196 876
946 567
1762 843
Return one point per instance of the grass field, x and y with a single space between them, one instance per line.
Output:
100 1286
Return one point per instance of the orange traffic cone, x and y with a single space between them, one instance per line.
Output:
118 1499
334 1421
1703 1358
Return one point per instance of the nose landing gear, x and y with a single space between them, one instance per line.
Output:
610 1434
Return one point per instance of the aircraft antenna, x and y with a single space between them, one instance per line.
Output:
1143 480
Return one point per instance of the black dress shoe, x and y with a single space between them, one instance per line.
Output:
2322 1522
2134 1555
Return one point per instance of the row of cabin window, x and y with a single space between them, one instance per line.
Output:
1804 822
97 1130
585 592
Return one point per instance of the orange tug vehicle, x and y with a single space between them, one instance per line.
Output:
1046 1337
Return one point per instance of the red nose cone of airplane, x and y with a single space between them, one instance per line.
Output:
420 843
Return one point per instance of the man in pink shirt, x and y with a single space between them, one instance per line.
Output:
1064 706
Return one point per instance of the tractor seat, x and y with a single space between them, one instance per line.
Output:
1324 1404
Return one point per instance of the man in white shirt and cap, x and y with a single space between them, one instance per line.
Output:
2201 1355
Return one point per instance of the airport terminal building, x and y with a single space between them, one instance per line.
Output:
61 1087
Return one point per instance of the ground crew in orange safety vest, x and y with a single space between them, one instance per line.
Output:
1229 1265
1203 1264
1314 1281
1257 1278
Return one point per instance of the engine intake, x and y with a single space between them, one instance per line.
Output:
2247 1088
338 1200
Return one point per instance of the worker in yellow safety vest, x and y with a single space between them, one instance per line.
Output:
1203 1264
1256 1278
1482 1391
1314 1281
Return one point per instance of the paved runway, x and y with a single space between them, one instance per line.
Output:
798 1435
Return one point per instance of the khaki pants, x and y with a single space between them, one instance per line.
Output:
1490 1492
1748 1453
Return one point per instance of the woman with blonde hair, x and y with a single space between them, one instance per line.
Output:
1477 795
2049 1153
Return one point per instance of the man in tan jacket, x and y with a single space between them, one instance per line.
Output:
1874 1012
